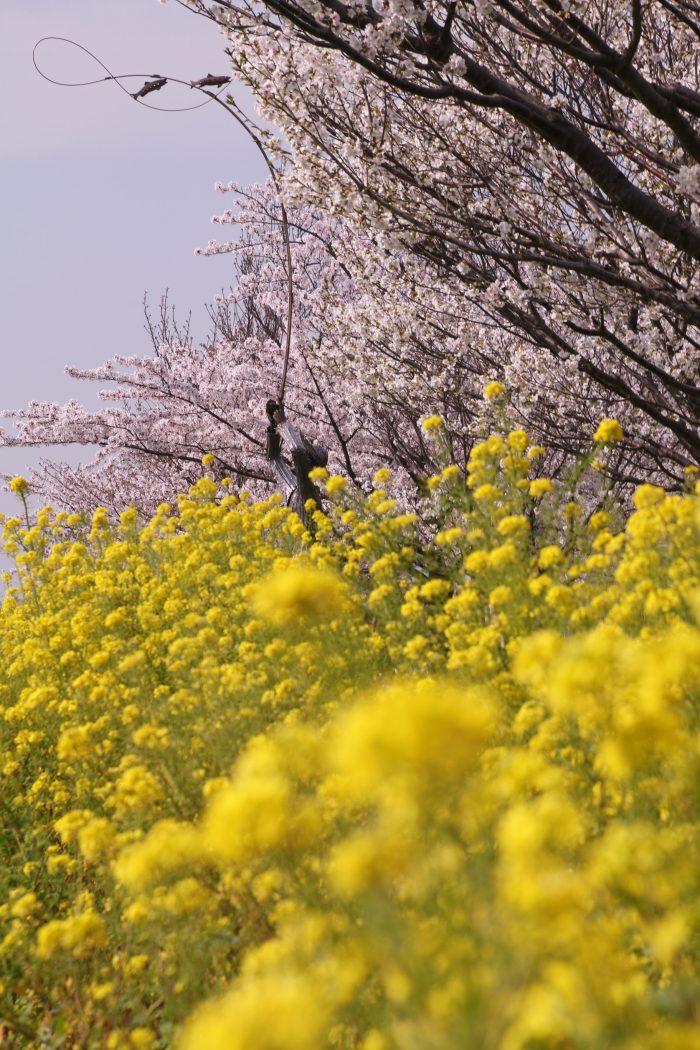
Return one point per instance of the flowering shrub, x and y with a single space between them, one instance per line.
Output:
395 782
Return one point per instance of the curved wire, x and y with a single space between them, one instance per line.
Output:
116 77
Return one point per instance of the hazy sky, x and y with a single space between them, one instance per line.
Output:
103 200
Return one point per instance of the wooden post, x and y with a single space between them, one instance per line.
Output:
305 454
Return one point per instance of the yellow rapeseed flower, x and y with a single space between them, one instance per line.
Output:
540 487
299 592
609 431
336 484
19 485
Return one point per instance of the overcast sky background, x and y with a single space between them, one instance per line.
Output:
103 200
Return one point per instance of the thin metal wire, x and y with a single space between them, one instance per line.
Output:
115 77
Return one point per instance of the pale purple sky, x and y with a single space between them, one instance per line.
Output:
103 200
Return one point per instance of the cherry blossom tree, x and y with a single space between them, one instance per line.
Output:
526 173
165 411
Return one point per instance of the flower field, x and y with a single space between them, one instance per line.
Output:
385 784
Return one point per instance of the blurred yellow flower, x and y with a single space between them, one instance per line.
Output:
297 592
608 432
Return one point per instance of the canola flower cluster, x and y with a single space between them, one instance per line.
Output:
386 784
